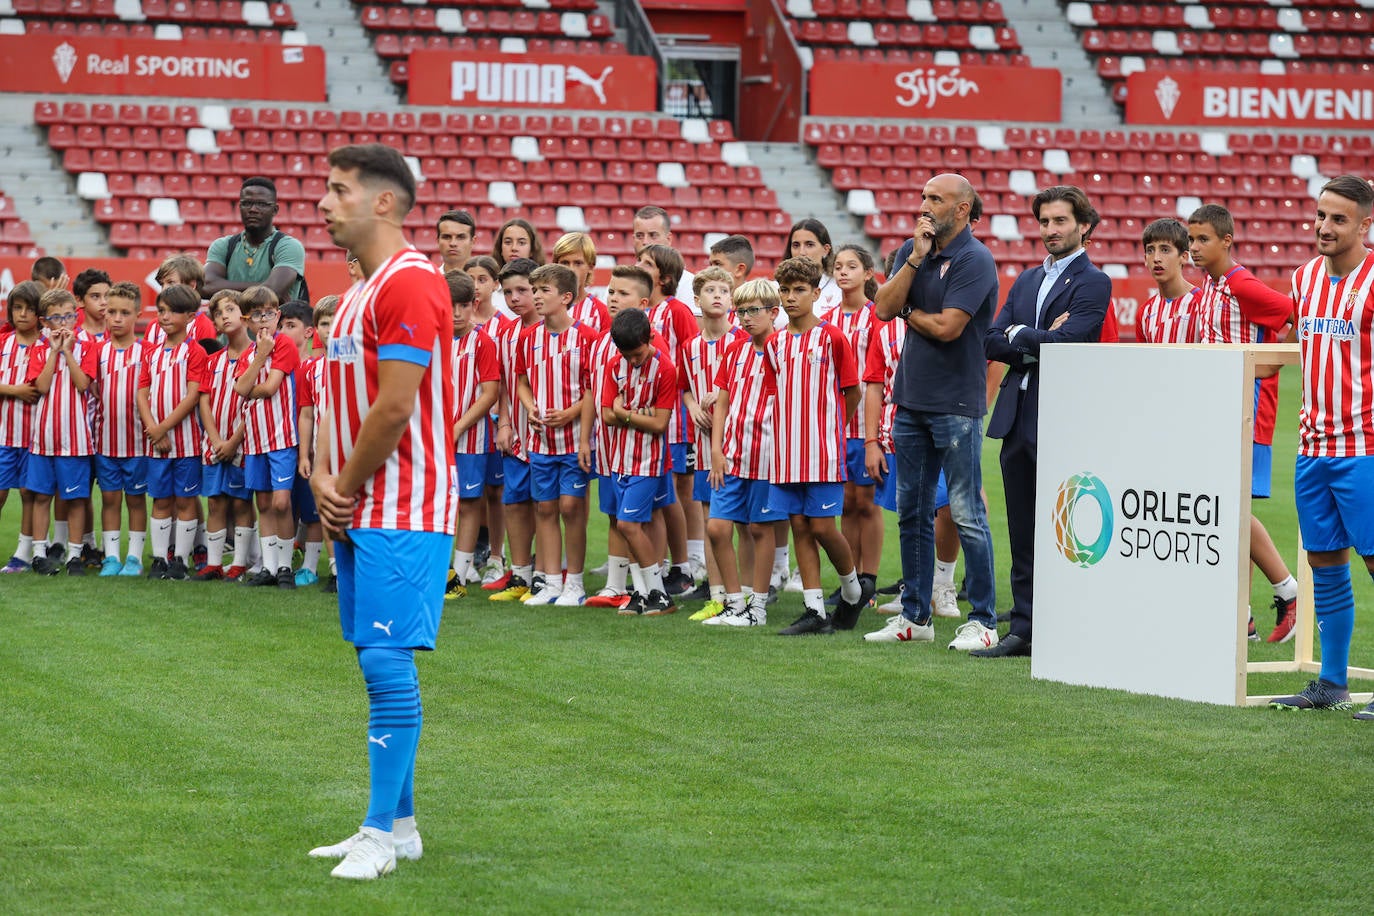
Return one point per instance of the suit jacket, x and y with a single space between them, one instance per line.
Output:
1084 292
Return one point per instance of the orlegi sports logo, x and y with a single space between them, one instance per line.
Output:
1074 530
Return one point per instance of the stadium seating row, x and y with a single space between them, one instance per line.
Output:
203 12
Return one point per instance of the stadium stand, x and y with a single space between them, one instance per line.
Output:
1317 38
557 26
15 238
918 32
166 179
1132 176
171 20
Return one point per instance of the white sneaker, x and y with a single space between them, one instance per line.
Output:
794 582
474 576
945 601
373 855
901 629
409 848
493 572
571 597
744 617
894 606
973 635
544 595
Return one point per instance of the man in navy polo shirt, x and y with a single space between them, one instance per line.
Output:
944 286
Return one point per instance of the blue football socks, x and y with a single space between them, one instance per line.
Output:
1335 608
393 732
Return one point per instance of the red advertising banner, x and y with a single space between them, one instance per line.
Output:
607 82
1251 100
866 90
141 66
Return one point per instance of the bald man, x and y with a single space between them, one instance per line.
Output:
943 285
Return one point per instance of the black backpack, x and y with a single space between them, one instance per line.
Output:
277 236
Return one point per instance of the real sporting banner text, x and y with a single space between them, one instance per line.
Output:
141 66
1251 100
608 82
867 90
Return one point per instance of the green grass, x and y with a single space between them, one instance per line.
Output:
168 747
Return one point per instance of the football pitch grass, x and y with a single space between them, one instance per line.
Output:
174 747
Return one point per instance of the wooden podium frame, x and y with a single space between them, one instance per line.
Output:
1259 357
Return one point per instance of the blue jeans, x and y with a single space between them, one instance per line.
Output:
925 443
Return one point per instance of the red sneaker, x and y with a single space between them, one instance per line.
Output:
498 585
234 573
1287 616
608 598
209 574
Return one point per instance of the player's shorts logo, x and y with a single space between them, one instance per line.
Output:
1073 526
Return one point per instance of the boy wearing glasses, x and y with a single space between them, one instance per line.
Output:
260 255
61 367
264 380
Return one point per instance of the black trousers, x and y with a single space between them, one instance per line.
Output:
1018 485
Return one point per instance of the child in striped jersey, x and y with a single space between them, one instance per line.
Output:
491 518
263 378
475 382
121 460
298 325
741 456
577 252
554 383
61 368
711 289
168 395
221 454
17 399
310 394
818 391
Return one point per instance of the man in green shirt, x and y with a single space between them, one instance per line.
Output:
260 255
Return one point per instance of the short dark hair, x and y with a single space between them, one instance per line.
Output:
456 216
300 310
256 297
259 181
461 289
520 267
563 278
653 212
975 208
630 330
737 248
126 290
634 272
27 292
798 270
1168 230
88 278
1353 188
47 268
1216 216
219 298
180 299
1074 197
822 234
187 267
669 264
374 162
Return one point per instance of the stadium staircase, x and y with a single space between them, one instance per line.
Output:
805 189
356 78
1048 41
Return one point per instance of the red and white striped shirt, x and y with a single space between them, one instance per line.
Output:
558 367
880 367
1240 309
698 375
310 393
16 417
506 346
401 312
200 328
270 423
593 313
652 384
1335 324
61 424
1171 321
856 327
603 352
168 373
226 407
117 426
747 439
811 369
673 319
474 362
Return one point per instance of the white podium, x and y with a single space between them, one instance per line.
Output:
1142 528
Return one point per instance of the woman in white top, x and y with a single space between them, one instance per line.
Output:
810 239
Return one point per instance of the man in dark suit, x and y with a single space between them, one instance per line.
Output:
1065 300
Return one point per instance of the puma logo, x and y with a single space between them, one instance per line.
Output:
598 85
381 740
384 627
